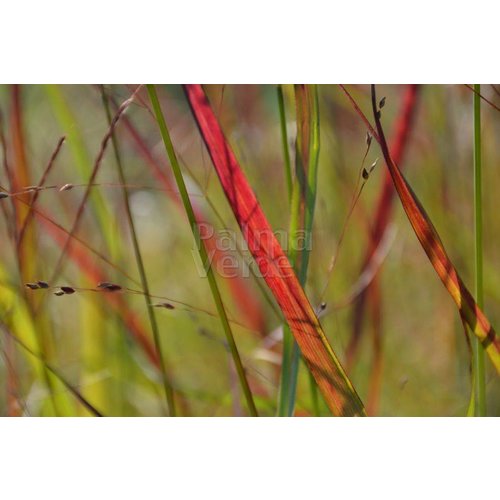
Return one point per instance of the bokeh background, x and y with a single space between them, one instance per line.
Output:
92 338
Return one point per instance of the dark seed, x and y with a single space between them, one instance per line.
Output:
103 284
59 293
33 286
322 306
67 290
42 284
4 195
365 174
381 104
166 305
110 287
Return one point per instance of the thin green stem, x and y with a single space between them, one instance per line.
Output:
284 142
167 387
201 248
479 368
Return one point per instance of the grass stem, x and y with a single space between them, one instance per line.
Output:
479 368
201 248
284 142
167 387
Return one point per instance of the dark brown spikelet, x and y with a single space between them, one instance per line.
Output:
59 293
365 174
4 195
109 287
166 305
42 284
32 286
66 187
381 104
67 290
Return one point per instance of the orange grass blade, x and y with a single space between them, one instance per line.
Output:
434 248
332 380
383 213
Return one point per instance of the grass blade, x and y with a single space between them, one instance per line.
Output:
331 378
382 217
284 141
201 248
167 387
301 219
434 248
479 368
247 303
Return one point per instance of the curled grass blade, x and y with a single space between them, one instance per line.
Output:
278 273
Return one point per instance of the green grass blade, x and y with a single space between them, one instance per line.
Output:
302 215
201 248
479 368
167 387
284 142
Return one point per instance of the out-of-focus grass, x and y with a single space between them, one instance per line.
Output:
425 364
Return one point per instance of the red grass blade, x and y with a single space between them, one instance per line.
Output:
332 380
434 248
383 212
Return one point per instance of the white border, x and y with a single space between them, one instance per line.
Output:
221 458
230 41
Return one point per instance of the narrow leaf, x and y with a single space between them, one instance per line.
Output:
434 248
332 380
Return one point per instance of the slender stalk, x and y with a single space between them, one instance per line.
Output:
479 368
167 387
284 142
302 214
201 248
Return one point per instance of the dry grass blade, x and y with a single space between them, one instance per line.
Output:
434 248
332 380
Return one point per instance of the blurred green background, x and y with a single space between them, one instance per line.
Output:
425 362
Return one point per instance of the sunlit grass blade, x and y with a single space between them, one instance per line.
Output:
433 247
201 249
276 269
